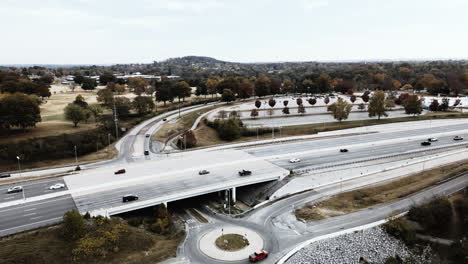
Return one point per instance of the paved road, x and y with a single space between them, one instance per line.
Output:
340 142
33 215
30 189
282 232
367 151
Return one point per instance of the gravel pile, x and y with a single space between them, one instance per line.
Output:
369 246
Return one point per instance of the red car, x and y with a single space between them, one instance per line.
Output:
258 255
121 171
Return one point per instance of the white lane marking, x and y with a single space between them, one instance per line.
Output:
30 214
31 209
8 197
37 217
19 227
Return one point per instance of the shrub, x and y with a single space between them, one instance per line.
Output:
401 229
435 215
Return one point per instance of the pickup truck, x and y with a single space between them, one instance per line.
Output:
244 173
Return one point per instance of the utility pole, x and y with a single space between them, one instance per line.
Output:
115 120
76 157
108 140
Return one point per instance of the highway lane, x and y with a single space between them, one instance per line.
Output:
338 142
32 215
365 151
30 189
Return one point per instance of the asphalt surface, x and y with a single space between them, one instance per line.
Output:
30 189
32 215
340 142
365 152
217 179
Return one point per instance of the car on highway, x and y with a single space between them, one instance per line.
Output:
164 119
432 139
4 175
147 135
258 255
15 189
294 160
57 186
458 138
121 171
202 172
146 153
129 198
343 150
425 143
244 173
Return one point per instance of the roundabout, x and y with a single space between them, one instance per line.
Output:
230 243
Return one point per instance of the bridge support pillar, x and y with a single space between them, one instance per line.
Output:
165 205
233 191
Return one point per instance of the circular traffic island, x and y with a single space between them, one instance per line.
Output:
231 242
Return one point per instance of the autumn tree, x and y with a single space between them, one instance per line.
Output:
138 85
106 97
352 98
301 109
80 101
286 110
245 89
165 91
228 96
272 102
254 113
413 105
258 103
365 98
230 83
340 109
287 87
389 103
75 113
73 227
362 106
285 102
181 90
211 86
312 101
19 110
88 84
107 77
326 100
377 105
262 86
434 106
143 104
299 101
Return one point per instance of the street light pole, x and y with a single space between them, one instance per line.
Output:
108 140
19 164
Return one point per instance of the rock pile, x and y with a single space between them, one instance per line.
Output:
369 246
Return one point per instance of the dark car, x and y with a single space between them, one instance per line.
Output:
129 198
202 172
425 143
458 138
258 255
121 171
164 119
4 175
147 135
343 150
146 153
244 172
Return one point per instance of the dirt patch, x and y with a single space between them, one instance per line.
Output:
367 197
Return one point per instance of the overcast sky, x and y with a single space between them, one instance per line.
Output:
133 31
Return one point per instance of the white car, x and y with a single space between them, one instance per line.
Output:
57 186
295 160
15 189
432 139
